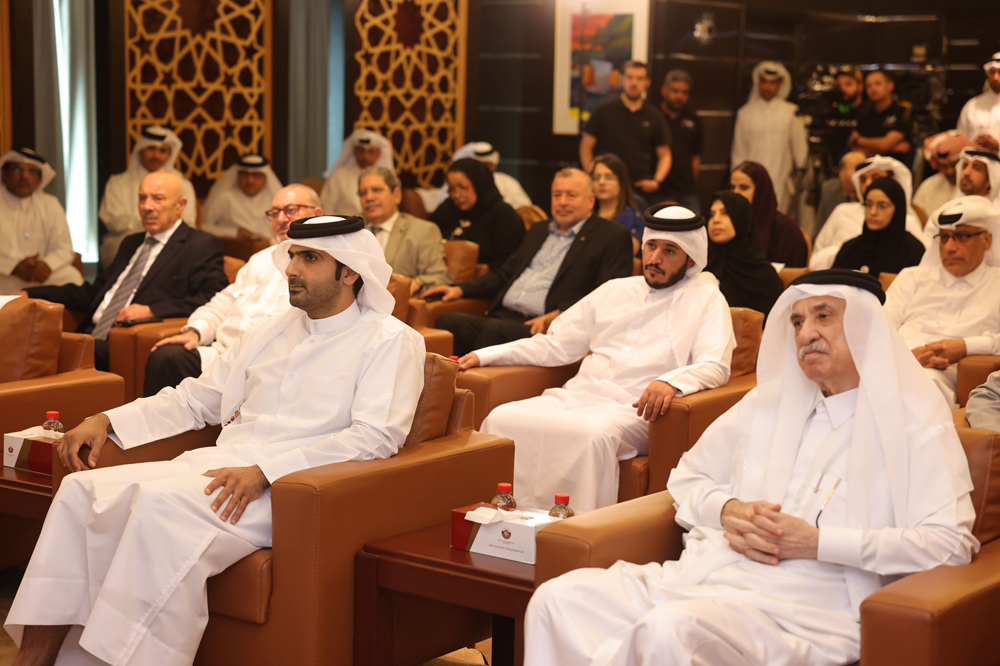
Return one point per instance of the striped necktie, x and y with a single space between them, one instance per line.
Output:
124 291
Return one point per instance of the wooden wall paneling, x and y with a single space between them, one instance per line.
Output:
22 75
202 68
5 121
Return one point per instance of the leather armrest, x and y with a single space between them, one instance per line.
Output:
499 384
972 372
76 395
942 616
641 530
958 416
688 417
128 358
424 313
162 449
324 515
437 341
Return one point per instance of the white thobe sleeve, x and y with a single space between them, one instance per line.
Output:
567 340
899 296
701 483
385 400
223 305
741 148
117 212
964 122
711 353
798 139
59 248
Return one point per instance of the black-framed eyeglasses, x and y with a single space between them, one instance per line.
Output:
289 211
18 169
960 237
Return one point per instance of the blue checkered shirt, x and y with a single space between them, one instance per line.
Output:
528 292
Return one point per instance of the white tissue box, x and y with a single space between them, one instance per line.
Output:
512 538
30 449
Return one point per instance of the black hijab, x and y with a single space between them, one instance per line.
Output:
747 279
491 223
887 250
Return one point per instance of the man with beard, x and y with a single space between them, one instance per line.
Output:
979 175
643 340
686 136
942 152
884 126
980 117
362 149
635 131
843 118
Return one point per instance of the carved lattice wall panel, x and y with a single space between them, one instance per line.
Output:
411 87
201 67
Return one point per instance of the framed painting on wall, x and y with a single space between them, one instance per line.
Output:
594 38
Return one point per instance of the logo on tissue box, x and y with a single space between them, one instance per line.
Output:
10 449
505 533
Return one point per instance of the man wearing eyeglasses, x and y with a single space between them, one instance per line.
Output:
948 307
412 246
35 245
260 291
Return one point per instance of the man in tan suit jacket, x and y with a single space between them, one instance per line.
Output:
413 247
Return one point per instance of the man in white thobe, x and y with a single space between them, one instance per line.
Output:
979 174
156 149
35 244
125 552
362 149
948 307
260 291
237 203
848 219
769 131
942 151
980 117
483 151
840 472
667 332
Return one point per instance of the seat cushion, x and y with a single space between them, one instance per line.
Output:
982 448
31 331
243 591
434 407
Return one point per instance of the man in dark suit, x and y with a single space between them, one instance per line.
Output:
556 265
167 271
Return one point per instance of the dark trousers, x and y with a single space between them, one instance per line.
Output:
474 332
168 366
102 355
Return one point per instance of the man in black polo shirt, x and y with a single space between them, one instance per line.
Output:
884 127
635 131
842 120
685 135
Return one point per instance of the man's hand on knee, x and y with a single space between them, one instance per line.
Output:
655 400
93 433
189 339
240 485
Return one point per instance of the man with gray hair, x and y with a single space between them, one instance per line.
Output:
412 246
686 137
555 266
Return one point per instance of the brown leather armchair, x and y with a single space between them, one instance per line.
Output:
669 436
461 258
789 274
532 215
942 616
293 603
243 248
972 372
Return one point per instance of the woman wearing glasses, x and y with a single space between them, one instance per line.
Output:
884 246
613 189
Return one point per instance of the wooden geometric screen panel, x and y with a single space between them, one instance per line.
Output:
202 68
411 87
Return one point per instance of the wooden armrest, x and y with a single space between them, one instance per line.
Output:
942 616
499 384
642 530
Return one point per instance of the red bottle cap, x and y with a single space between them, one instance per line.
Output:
454 358
52 416
562 498
504 488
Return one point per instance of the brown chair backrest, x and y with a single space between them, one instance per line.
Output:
809 244
76 352
243 248
461 256
531 215
232 266
748 327
886 279
636 266
789 274
78 262
434 406
399 287
412 204
982 448
31 331
314 182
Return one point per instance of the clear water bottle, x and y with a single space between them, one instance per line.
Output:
562 508
52 422
504 498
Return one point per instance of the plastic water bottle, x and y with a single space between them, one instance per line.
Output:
562 508
52 422
504 498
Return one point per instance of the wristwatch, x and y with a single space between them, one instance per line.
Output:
191 328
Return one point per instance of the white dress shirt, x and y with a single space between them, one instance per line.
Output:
260 291
981 115
384 230
927 303
33 225
682 335
161 241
